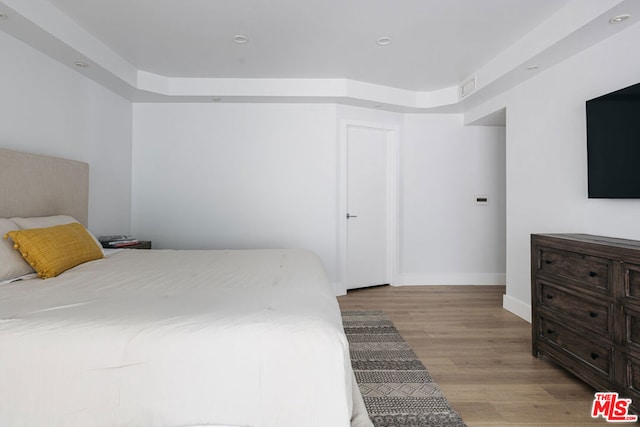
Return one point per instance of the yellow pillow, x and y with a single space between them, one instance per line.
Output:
52 250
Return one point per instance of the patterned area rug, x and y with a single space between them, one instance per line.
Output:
396 387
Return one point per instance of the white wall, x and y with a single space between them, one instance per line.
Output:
266 175
547 158
447 237
47 108
236 176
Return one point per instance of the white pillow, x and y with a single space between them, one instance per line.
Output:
43 221
48 221
12 265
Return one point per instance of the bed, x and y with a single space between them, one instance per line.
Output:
168 338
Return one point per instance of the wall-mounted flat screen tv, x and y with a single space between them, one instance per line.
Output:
613 144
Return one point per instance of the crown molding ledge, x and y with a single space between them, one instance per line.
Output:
579 25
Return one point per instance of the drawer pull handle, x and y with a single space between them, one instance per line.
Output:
594 356
548 261
593 314
551 331
549 296
592 274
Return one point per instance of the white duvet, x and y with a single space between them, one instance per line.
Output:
176 338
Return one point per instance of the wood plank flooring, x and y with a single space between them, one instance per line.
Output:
480 355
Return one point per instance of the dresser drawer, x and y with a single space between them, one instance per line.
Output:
631 281
596 356
631 326
591 313
631 385
587 271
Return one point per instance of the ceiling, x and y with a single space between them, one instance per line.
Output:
434 43
314 50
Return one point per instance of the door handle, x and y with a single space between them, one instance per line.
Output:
351 216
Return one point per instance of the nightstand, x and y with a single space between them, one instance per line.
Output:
142 244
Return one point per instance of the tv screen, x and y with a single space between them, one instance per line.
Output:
613 144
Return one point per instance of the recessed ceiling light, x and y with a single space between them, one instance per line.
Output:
80 64
3 15
240 39
618 19
384 41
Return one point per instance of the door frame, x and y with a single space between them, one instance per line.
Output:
393 170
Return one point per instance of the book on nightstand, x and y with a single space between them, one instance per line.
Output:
117 241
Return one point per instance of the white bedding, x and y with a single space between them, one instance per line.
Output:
176 338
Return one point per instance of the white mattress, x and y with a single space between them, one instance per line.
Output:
176 338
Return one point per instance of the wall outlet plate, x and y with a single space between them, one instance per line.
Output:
482 199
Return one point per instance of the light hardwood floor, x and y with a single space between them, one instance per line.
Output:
480 355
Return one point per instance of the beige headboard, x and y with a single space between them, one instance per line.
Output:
35 185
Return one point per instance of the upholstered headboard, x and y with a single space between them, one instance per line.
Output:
34 185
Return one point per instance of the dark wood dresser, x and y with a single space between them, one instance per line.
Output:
585 300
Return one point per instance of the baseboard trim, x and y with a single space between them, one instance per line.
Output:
517 307
451 279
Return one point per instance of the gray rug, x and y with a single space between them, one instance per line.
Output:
396 387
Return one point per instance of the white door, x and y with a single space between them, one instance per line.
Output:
368 207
